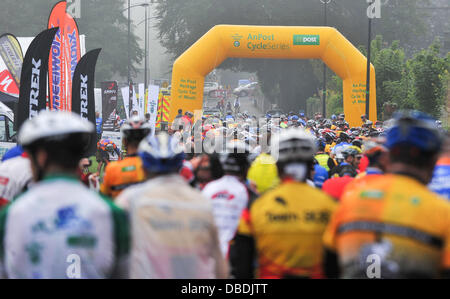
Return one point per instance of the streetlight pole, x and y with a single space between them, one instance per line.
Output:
146 68
324 96
130 89
129 31
130 83
146 48
368 68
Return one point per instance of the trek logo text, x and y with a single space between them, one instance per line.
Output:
84 96
34 94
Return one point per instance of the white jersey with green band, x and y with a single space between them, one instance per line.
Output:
61 229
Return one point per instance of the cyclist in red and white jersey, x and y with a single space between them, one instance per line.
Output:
15 178
229 195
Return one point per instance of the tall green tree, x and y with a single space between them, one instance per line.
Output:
102 21
390 66
429 73
416 83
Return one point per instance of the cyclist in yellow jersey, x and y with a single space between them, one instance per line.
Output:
329 140
322 157
122 174
310 126
283 229
394 219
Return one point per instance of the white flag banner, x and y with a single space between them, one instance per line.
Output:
98 100
135 101
152 105
141 100
126 102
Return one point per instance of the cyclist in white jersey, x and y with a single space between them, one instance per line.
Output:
59 228
15 178
173 231
229 195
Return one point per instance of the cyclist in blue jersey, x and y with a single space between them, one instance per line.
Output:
441 176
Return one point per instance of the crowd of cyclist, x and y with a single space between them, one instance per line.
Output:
286 197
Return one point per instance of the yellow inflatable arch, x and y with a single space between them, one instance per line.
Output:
276 42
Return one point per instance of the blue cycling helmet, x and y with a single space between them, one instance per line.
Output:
295 118
268 115
302 114
414 128
333 117
302 122
320 143
161 154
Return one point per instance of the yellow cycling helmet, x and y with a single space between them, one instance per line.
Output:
356 148
264 173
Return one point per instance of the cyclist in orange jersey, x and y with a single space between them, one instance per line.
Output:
122 174
392 226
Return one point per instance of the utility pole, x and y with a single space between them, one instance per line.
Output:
130 83
129 60
368 67
146 49
324 96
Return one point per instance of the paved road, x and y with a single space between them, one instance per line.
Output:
246 105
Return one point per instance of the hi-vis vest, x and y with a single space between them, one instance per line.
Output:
323 161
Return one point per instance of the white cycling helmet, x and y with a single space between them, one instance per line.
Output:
53 126
135 128
338 152
294 144
65 136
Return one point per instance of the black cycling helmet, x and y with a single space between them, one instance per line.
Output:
357 142
344 136
329 137
236 158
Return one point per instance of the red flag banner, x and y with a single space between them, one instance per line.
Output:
7 83
56 63
64 57
72 53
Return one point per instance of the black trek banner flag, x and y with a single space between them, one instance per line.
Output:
83 101
83 98
33 79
